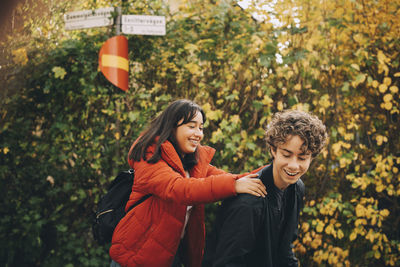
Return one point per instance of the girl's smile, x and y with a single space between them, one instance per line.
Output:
189 135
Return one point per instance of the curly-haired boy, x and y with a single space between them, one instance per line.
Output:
255 231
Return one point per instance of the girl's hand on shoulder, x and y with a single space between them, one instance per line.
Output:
251 185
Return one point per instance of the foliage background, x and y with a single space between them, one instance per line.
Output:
62 139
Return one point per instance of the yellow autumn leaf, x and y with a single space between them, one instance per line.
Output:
316 243
247 74
341 130
353 236
375 83
329 229
382 88
359 38
370 235
217 136
360 78
235 119
387 98
334 261
336 148
397 74
381 57
297 87
387 81
117 135
243 134
6 150
384 212
59 72
192 68
320 227
388 105
379 188
377 254
342 162
349 136
307 238
346 145
325 255
191 47
339 12
267 101
355 66
383 68
380 139
279 105
19 56
206 107
373 220
305 227
213 115
360 210
324 101
394 89
340 234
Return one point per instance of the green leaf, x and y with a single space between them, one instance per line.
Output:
59 72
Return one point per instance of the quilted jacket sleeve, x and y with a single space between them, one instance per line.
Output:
162 181
212 170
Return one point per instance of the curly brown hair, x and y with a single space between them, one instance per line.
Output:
294 122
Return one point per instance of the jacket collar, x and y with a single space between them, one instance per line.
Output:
205 155
169 155
267 177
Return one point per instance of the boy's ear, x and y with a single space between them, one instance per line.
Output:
272 150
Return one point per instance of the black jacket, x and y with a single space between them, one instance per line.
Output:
246 233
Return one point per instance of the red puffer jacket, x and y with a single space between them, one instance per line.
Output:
150 233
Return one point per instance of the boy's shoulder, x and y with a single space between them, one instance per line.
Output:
300 188
243 201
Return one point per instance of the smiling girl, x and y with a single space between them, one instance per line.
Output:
170 164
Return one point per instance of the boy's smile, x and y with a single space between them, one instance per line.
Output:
290 162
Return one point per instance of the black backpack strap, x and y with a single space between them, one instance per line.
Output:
138 202
132 171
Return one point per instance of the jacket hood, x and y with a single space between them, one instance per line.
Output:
170 155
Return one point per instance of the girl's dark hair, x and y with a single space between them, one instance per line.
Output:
163 127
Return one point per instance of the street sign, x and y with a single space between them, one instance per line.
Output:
143 25
89 18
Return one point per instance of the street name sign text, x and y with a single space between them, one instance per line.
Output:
143 25
89 18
